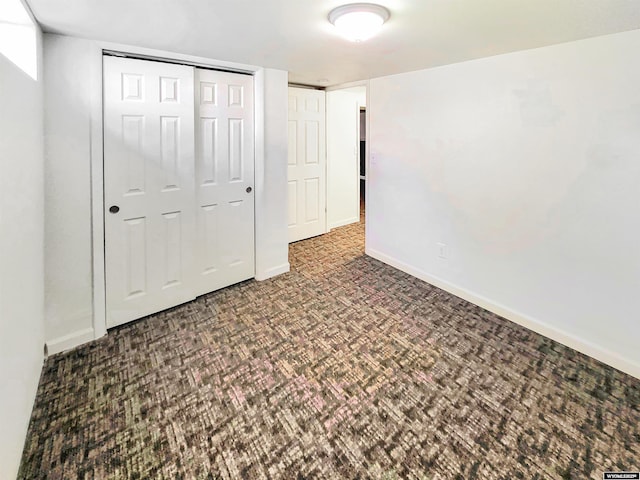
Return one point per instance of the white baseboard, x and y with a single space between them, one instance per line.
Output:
273 272
584 346
72 340
342 223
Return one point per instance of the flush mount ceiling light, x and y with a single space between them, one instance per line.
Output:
359 21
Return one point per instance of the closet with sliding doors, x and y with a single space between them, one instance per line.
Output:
178 184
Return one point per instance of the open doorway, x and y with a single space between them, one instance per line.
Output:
346 159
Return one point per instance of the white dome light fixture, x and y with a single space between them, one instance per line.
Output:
359 21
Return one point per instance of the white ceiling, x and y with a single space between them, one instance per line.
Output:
295 35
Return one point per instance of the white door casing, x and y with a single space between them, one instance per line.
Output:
184 222
149 177
306 164
343 155
224 179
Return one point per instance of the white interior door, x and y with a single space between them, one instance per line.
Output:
224 179
307 164
149 187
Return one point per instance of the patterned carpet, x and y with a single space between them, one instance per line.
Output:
342 368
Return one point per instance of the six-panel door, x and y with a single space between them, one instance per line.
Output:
149 187
306 164
224 179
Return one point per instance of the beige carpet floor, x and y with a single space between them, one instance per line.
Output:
343 368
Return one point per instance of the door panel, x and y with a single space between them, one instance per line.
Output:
312 142
306 164
224 173
172 248
149 177
311 195
136 261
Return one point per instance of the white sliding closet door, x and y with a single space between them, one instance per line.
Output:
224 179
149 187
307 171
179 213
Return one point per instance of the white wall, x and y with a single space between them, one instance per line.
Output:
68 273
272 242
21 257
526 166
343 152
72 65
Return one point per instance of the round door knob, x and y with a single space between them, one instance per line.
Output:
248 189
114 209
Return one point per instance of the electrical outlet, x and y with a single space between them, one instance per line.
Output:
442 250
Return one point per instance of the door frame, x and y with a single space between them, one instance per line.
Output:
343 86
360 109
97 153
